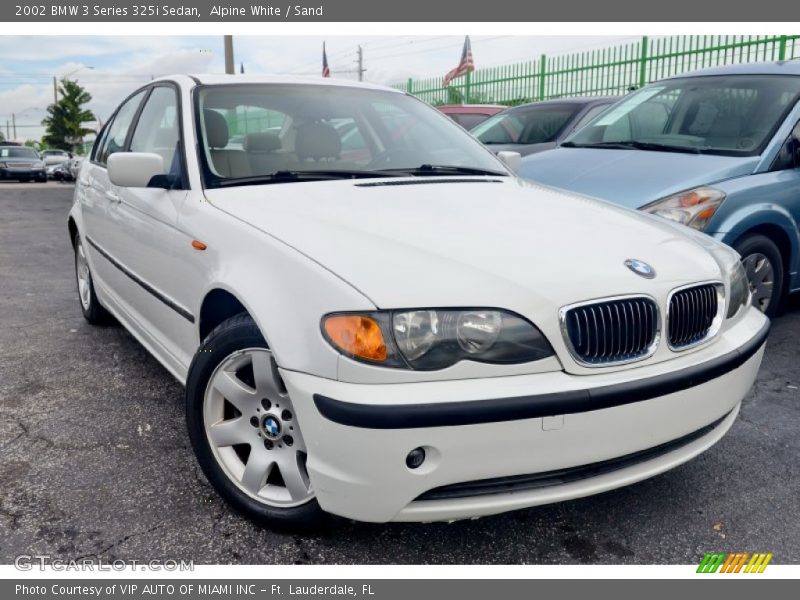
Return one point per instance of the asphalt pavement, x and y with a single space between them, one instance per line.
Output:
95 460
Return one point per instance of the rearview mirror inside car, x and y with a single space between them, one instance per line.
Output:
134 169
513 160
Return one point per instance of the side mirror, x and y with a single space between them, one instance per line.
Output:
134 169
513 160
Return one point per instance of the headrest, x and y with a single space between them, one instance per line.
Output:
217 133
316 141
262 142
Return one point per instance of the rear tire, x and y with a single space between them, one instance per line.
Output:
91 308
244 430
763 263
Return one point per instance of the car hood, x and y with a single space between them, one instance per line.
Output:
631 178
498 242
523 149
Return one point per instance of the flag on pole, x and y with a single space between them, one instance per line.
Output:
326 72
465 65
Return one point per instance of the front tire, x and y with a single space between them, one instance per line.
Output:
244 430
763 263
90 305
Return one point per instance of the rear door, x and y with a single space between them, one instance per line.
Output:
99 196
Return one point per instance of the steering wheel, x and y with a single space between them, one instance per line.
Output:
396 156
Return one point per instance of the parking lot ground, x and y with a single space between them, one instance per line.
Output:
95 459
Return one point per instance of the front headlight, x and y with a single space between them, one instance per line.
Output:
427 339
693 208
739 289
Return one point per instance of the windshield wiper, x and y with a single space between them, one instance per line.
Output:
287 176
427 169
633 144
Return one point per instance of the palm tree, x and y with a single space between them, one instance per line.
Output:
66 117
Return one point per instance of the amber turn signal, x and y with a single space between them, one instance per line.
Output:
357 335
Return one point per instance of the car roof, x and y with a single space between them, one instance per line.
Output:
219 79
786 67
578 100
471 106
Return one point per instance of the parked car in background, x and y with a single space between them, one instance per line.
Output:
55 156
538 126
21 163
356 337
75 167
717 150
60 172
470 115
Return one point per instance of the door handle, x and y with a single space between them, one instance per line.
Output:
113 196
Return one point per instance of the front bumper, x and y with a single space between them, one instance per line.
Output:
22 173
486 439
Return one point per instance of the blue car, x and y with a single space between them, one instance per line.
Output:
717 150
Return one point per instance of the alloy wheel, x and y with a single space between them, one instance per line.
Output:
761 275
252 429
83 276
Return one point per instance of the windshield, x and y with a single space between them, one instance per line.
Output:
18 152
250 132
528 125
731 115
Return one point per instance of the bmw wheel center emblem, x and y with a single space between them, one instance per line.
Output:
272 427
641 268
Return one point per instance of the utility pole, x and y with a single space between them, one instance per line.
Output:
55 90
14 123
8 131
361 68
229 68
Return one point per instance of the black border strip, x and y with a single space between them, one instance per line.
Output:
446 414
146 286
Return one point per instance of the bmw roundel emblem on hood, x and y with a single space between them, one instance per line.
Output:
640 268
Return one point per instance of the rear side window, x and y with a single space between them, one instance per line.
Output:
117 131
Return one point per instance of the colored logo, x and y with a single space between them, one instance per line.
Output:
641 268
272 427
738 562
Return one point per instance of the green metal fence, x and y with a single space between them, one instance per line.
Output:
608 71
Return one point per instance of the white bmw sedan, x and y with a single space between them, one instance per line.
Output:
373 317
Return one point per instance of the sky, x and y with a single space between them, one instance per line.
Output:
110 67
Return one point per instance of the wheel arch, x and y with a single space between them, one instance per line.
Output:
72 226
774 223
778 235
218 305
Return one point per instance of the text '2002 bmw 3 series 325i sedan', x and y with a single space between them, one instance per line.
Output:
374 318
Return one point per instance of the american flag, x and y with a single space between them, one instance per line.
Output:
326 71
466 64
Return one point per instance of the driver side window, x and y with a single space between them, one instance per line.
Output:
157 129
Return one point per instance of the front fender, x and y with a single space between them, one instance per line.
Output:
758 215
287 294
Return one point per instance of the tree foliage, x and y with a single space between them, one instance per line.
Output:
65 118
